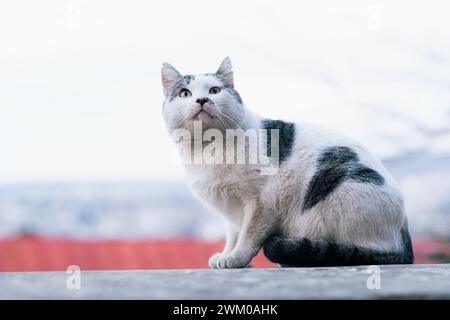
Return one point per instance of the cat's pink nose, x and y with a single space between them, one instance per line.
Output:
202 101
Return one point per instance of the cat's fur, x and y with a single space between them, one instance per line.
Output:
330 203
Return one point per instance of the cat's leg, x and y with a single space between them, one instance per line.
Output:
232 234
232 238
256 227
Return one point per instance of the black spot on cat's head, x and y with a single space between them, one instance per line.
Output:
183 82
188 78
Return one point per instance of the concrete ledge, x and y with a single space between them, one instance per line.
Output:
417 282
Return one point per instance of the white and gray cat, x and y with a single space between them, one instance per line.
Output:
331 202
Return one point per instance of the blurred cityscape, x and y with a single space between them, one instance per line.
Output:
166 210
104 211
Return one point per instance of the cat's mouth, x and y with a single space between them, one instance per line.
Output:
202 115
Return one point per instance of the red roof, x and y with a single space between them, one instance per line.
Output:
47 254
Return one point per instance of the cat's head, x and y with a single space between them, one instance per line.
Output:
209 98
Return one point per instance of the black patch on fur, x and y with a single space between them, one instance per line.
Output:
337 155
321 253
366 175
336 165
407 243
286 137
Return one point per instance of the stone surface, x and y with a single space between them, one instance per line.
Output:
417 281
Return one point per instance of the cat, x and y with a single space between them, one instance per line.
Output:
330 202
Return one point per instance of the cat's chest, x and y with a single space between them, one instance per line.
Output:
224 188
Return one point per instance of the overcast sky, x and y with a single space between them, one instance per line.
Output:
80 92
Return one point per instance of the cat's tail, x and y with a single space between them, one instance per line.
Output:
322 253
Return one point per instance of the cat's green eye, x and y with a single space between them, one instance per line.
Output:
184 93
214 90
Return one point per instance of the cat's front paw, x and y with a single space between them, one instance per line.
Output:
228 261
213 260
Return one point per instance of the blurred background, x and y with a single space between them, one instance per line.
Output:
88 175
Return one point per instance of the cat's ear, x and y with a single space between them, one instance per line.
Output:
169 75
226 71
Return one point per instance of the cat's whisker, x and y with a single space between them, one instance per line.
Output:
231 121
